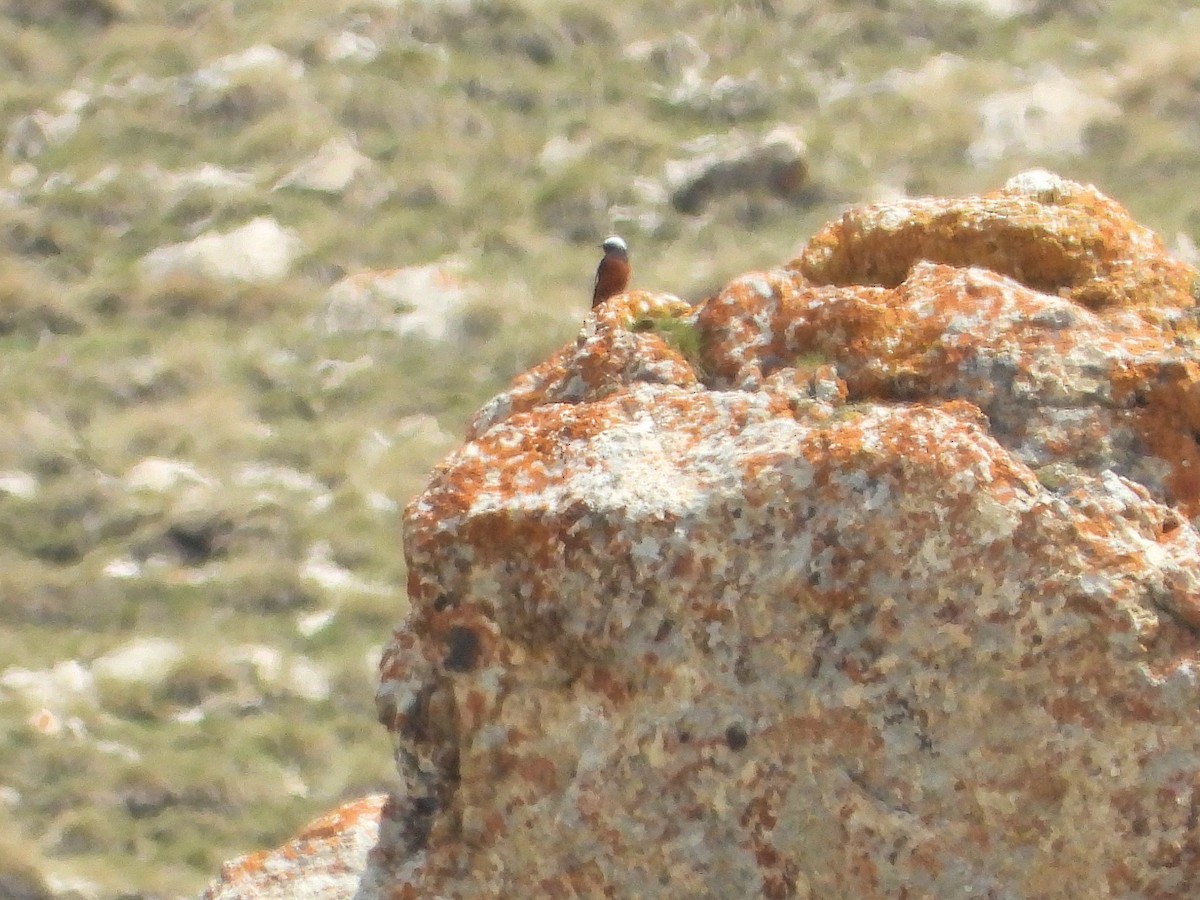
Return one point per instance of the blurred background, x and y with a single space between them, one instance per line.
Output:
260 260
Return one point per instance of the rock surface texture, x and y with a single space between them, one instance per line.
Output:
876 575
327 859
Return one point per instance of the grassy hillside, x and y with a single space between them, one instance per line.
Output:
201 488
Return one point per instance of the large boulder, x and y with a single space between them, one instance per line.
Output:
876 575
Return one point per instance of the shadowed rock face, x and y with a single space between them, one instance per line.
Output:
876 573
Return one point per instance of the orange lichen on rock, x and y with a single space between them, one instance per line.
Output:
1061 379
876 575
1164 396
1052 235
606 353
327 859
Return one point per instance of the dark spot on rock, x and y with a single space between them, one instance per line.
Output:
464 649
743 670
415 724
685 737
663 630
735 738
417 822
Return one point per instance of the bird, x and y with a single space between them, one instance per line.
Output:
612 275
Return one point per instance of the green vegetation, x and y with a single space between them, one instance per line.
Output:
678 331
810 361
187 459
1055 476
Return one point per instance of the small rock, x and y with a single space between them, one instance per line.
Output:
139 661
261 475
19 484
321 568
1049 116
728 98
560 152
163 475
48 687
418 300
207 177
125 567
311 623
32 135
672 58
296 675
45 722
718 166
330 171
218 75
22 175
260 250
306 680
346 46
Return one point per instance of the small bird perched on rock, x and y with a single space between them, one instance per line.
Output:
612 275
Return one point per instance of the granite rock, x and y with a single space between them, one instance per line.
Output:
873 576
324 862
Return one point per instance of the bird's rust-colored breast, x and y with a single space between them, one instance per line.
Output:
612 275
